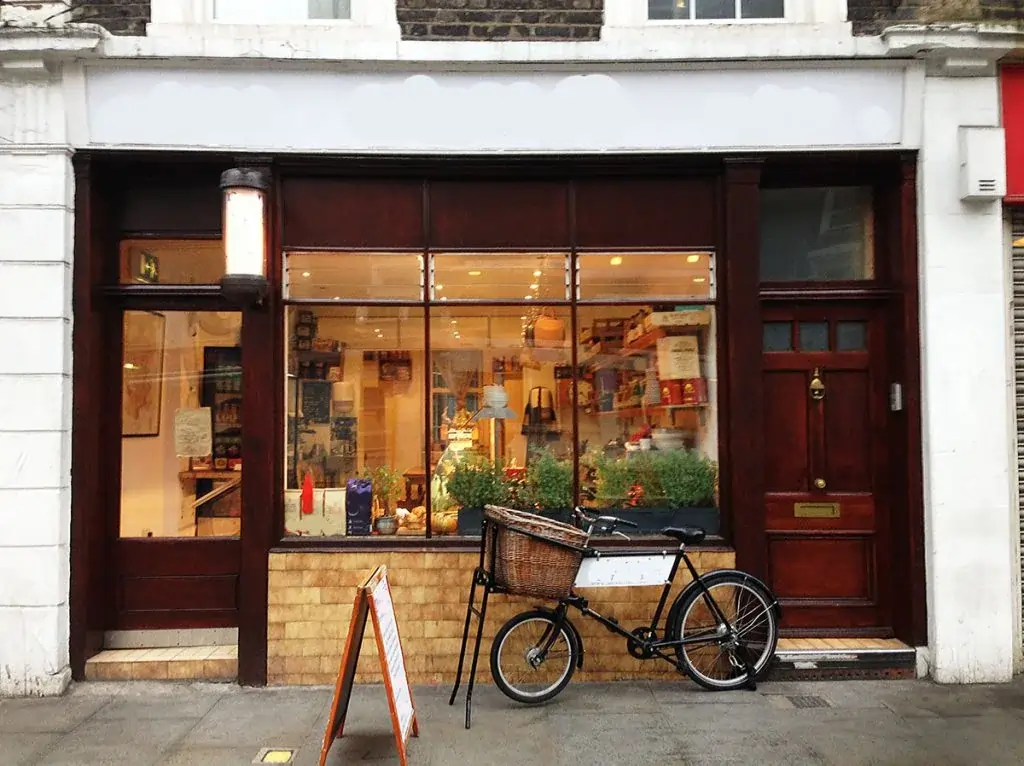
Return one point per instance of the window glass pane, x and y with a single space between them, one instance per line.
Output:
171 262
355 420
354 276
181 424
501 416
816 234
763 9
715 9
777 336
813 336
329 9
668 9
610 276
851 336
648 400
279 11
499 276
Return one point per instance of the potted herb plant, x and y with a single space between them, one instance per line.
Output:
548 486
387 487
475 482
658 489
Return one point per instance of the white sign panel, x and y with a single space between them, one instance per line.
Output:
393 660
461 112
625 571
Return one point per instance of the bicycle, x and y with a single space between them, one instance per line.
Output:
739 627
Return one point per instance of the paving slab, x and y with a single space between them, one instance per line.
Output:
863 723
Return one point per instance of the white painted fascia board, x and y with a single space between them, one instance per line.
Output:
795 43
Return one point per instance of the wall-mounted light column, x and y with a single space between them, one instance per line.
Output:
245 236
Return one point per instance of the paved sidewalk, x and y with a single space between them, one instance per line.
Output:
904 723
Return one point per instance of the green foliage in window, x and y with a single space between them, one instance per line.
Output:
387 485
685 478
475 482
548 482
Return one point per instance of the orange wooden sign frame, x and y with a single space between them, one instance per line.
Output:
396 679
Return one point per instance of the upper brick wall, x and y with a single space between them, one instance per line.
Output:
121 17
869 17
501 19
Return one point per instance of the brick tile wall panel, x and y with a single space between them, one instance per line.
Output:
872 16
501 19
307 624
121 17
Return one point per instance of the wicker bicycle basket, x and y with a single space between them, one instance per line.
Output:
527 566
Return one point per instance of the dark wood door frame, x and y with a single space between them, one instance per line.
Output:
896 243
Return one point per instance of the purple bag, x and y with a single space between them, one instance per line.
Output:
358 506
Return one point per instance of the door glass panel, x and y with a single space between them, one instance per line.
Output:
851 336
778 336
171 262
813 336
816 234
181 459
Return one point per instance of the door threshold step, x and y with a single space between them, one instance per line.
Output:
813 659
179 663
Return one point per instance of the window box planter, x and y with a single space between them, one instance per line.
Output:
653 520
471 519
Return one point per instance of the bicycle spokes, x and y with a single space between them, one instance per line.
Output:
733 646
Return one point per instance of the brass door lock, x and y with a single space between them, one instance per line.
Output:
817 388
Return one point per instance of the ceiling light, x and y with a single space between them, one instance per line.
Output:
692 258
475 273
439 287
306 274
528 297
376 329
699 279
129 366
443 298
616 261
534 286
523 318
536 273
455 321
337 297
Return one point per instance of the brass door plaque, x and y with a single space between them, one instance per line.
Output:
816 510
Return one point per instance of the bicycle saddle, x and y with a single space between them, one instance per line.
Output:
686 535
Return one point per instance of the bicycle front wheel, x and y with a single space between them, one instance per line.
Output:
532 659
715 655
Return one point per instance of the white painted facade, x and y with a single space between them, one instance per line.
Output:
809 85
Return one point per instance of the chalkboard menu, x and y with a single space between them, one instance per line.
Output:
316 401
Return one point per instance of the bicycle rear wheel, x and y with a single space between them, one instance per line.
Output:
521 667
718 663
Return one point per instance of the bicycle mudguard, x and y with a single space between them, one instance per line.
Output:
693 585
570 627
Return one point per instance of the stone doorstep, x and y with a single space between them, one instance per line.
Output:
187 663
850 660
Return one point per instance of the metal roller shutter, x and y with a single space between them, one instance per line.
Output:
1018 357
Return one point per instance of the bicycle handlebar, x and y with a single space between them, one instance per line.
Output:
613 520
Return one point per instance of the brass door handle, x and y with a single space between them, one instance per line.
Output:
817 387
819 483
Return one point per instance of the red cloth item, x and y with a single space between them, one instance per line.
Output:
306 498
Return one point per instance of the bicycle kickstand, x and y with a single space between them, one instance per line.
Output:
479 578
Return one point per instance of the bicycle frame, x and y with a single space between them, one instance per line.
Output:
654 648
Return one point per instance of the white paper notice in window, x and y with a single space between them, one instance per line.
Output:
393 661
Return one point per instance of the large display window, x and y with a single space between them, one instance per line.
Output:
422 387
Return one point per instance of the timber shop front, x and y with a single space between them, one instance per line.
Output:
637 329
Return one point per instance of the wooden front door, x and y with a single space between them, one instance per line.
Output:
828 481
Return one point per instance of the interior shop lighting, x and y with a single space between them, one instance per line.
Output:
245 235
692 258
616 261
475 273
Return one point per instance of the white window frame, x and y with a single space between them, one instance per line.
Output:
738 6
369 20
632 15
